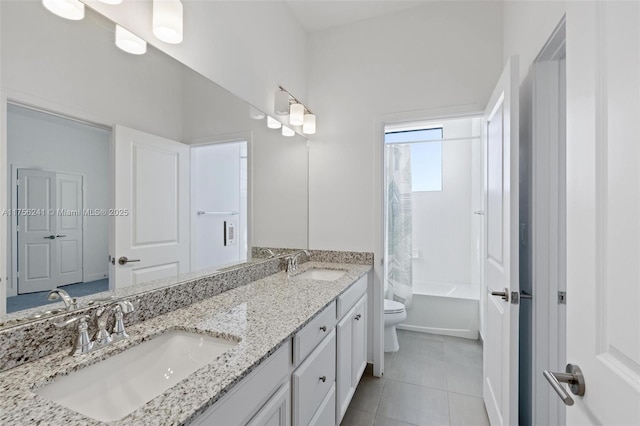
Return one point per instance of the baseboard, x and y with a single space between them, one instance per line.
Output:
466 334
96 276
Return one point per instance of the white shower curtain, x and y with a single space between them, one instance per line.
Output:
399 228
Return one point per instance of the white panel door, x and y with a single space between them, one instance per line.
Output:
603 210
69 220
500 357
151 215
37 260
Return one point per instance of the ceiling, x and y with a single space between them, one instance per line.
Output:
318 15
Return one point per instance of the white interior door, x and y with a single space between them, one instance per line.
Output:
151 215
37 258
69 222
603 210
500 356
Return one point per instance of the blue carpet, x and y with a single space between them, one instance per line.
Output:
31 300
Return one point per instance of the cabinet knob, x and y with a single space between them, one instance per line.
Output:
323 328
323 378
358 317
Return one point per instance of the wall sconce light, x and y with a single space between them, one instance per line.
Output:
272 123
309 125
167 20
286 131
130 42
68 9
299 115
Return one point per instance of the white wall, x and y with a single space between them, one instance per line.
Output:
41 141
437 55
247 47
442 232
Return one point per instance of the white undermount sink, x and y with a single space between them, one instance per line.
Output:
115 387
322 274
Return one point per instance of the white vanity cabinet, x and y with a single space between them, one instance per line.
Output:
261 398
351 356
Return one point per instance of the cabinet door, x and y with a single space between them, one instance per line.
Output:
276 412
359 340
344 366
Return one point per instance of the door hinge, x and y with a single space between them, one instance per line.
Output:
562 297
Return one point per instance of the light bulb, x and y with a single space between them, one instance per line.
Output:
309 125
281 103
296 117
272 123
167 20
286 131
68 9
130 42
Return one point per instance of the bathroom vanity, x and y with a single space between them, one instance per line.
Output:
299 348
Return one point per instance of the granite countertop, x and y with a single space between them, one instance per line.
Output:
262 315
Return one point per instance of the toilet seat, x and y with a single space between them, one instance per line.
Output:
393 307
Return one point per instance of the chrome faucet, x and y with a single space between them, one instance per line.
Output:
292 261
270 252
83 344
70 303
102 336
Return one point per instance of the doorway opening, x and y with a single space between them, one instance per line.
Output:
432 238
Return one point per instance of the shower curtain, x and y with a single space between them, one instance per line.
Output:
399 228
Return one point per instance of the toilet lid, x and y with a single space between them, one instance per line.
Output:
392 307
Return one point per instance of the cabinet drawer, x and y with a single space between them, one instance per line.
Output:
313 380
308 338
325 414
352 295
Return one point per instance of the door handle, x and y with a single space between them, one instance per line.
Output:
50 237
573 377
123 260
503 294
60 236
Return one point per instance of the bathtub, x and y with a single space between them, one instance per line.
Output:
444 308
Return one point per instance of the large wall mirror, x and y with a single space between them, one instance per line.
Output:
128 169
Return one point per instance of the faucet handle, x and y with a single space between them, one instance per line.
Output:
83 343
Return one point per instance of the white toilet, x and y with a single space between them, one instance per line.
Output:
394 314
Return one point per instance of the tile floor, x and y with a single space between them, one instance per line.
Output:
431 380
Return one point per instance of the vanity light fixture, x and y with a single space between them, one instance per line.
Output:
296 114
272 123
309 125
286 131
167 20
299 115
68 9
130 42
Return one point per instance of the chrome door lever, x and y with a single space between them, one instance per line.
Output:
50 237
503 294
60 236
573 377
123 260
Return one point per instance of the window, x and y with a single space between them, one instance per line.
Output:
426 156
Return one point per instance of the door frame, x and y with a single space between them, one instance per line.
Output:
375 302
12 239
548 224
218 140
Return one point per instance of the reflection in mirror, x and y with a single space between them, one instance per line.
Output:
126 170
